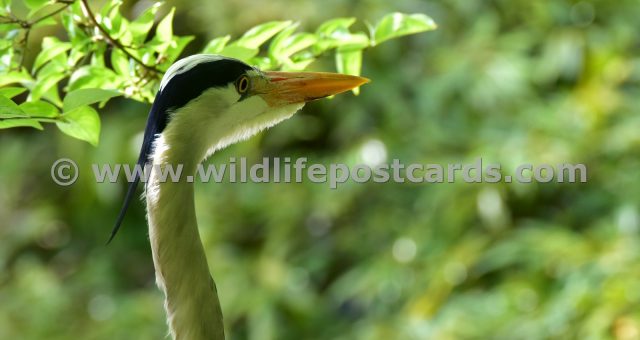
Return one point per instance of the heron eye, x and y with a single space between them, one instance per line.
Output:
242 84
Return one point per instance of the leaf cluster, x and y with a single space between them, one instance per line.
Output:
107 55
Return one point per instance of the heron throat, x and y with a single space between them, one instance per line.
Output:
205 125
182 270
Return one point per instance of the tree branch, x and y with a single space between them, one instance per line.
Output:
26 24
115 42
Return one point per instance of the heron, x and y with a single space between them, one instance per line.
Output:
205 103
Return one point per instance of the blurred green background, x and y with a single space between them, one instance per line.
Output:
511 81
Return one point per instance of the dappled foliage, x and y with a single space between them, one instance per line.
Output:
107 55
509 81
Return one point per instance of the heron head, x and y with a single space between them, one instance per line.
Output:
214 101
206 102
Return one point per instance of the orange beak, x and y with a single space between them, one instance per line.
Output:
282 88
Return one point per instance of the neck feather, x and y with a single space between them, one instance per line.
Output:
182 272
213 121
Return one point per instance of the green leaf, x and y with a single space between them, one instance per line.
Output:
51 47
349 62
97 58
151 50
77 9
261 63
53 96
239 52
35 4
296 43
44 84
332 33
142 24
117 25
109 13
351 41
9 108
109 17
298 65
164 31
93 77
11 123
177 45
53 67
258 35
397 24
79 51
84 97
279 43
50 21
15 77
39 109
11 92
121 63
76 35
216 45
82 123
327 28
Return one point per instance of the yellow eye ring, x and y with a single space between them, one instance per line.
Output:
242 84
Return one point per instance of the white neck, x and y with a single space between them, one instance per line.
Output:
182 272
209 123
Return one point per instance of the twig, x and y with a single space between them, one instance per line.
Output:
38 118
27 25
44 17
8 20
113 41
25 48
